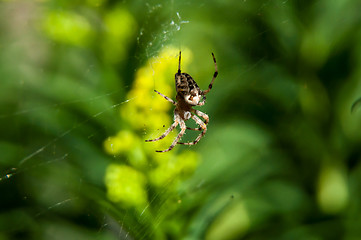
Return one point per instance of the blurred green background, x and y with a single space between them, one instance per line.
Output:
280 160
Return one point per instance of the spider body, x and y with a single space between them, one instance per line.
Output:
188 96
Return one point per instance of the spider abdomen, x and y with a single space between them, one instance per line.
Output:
187 88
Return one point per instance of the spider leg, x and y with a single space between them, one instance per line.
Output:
203 127
183 127
179 70
166 98
195 129
214 76
203 115
176 122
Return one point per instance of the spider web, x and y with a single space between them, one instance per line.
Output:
59 143
41 155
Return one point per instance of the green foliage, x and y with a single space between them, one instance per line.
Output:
281 157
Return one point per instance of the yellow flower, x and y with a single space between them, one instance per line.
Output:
122 142
126 185
174 169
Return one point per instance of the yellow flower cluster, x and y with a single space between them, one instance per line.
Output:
174 170
147 111
125 185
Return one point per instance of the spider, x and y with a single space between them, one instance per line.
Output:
188 96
